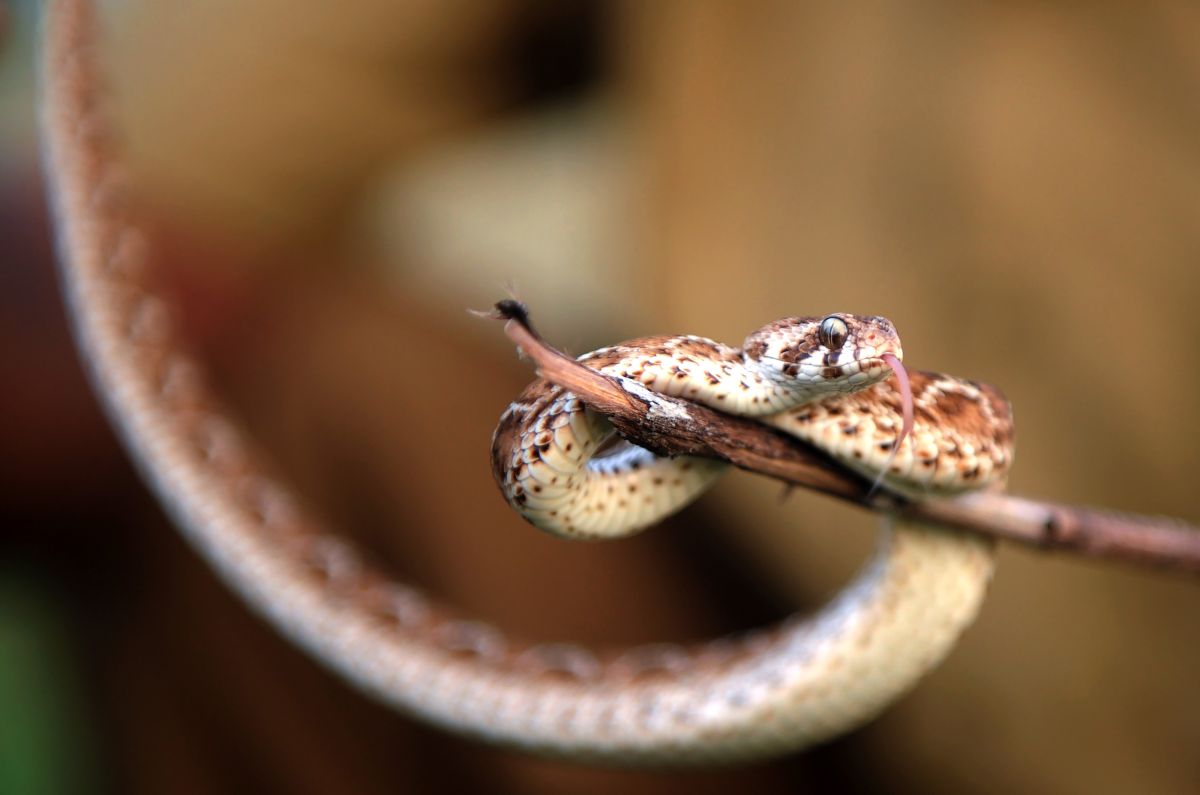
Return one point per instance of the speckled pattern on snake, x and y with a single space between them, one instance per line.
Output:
766 692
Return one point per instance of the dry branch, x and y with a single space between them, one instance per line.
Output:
671 426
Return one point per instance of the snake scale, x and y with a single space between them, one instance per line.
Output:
768 692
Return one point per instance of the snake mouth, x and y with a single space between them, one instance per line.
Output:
846 376
873 364
879 360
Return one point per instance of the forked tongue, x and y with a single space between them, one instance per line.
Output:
906 408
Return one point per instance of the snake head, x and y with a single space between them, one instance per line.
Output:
815 356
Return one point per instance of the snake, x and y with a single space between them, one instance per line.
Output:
765 692
829 382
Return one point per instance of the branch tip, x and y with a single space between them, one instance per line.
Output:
507 309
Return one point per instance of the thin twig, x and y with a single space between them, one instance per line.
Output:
671 426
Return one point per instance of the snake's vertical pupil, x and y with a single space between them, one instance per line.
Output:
832 333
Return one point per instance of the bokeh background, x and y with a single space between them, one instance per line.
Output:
332 185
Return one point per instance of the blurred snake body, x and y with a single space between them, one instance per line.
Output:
768 692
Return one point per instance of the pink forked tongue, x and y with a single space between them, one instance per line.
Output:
906 408
906 399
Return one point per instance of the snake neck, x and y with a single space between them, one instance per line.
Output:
698 369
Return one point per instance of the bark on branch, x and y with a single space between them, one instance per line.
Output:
671 426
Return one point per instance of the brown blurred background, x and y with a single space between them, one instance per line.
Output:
1016 185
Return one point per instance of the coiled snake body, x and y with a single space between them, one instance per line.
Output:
821 380
774 690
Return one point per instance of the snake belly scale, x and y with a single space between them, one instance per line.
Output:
769 692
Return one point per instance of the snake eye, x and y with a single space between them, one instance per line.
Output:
832 333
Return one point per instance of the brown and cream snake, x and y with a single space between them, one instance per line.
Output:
773 691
